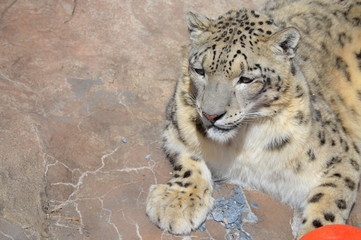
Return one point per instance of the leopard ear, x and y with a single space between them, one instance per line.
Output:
285 42
197 24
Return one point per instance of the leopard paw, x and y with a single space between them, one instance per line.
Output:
178 209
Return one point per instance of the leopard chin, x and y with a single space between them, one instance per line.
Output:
221 135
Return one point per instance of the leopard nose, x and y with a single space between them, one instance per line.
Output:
213 118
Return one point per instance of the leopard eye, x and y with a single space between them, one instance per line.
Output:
199 71
245 80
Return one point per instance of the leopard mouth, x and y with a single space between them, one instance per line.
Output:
224 129
218 127
221 135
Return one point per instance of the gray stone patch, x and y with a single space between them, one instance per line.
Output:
127 98
231 212
81 86
101 100
13 230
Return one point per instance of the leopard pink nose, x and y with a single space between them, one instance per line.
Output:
212 118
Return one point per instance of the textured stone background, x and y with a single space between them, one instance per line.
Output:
77 77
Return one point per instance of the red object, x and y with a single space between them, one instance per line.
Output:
334 232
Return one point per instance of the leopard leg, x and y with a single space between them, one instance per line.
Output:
332 200
182 205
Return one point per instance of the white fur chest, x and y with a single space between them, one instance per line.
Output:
249 163
282 183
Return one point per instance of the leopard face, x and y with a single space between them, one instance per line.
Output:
239 66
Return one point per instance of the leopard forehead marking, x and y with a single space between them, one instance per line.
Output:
247 26
235 34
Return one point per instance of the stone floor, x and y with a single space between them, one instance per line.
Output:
83 87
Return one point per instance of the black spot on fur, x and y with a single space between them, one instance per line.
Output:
317 115
356 148
191 222
329 217
187 184
350 184
324 48
293 69
328 185
173 118
315 198
278 143
299 91
342 66
304 221
188 100
172 156
300 118
343 39
200 128
322 137
311 154
187 174
178 168
317 223
333 161
337 175
358 58
179 183
354 164
345 146
341 204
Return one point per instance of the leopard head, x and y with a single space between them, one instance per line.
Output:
240 69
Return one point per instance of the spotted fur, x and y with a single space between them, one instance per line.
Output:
269 100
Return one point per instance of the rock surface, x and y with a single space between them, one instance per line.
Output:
83 87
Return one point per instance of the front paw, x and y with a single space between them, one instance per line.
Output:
179 209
